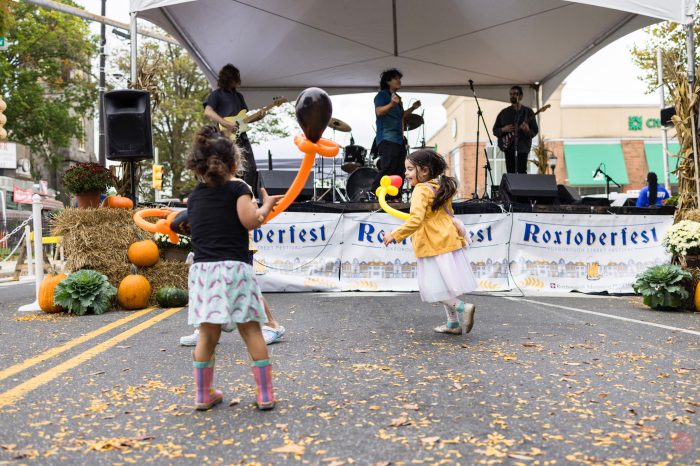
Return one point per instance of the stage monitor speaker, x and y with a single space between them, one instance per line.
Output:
666 115
278 182
523 188
595 201
127 123
568 195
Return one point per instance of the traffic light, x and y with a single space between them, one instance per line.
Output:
157 177
3 120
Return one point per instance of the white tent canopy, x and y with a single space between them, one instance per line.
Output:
284 46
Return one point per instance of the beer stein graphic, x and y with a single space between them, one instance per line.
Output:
592 270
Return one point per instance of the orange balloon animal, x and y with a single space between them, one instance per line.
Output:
324 148
161 226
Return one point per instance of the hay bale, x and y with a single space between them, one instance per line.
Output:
98 239
165 273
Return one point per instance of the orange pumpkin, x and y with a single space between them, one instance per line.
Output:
46 290
133 292
143 253
119 202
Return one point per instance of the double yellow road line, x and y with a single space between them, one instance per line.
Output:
15 394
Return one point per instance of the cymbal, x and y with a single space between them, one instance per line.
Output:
339 125
424 147
413 121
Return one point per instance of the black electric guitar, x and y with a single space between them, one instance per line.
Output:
505 141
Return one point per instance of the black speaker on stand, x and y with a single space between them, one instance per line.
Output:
128 134
523 188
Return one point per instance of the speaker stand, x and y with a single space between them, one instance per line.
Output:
132 183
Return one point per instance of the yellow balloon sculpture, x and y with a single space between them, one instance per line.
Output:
390 185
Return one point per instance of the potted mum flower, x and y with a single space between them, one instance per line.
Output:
87 181
682 241
174 252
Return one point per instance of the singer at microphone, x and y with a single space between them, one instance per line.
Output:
390 120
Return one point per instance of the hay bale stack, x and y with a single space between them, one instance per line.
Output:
98 239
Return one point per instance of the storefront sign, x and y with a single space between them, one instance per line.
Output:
634 123
8 155
22 196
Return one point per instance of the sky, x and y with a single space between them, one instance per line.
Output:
608 77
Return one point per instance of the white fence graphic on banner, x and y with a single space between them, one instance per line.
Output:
533 252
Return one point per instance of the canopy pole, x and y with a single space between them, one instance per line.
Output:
133 34
664 129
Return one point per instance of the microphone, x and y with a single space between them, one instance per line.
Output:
597 171
471 85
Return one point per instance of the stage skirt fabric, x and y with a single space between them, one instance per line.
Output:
224 293
445 276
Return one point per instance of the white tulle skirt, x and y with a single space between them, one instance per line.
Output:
445 276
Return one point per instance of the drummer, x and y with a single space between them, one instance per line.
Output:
390 125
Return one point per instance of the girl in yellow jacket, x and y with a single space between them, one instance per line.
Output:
444 272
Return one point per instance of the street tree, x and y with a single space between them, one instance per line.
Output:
45 79
668 36
181 88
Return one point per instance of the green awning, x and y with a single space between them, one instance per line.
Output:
655 160
582 160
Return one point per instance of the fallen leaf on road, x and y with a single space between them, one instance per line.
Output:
401 421
290 448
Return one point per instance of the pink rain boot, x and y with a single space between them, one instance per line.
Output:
205 396
262 372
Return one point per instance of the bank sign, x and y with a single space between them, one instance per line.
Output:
637 123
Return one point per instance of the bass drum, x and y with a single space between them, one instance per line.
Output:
360 183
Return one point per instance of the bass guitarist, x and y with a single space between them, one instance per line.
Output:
516 144
226 101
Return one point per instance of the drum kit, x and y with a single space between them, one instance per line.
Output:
358 164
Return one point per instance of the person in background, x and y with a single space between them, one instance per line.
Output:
652 194
390 115
226 101
516 125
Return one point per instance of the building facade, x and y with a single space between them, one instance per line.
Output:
20 172
625 142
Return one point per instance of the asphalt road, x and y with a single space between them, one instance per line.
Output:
361 379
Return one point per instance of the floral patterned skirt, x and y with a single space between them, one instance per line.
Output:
224 293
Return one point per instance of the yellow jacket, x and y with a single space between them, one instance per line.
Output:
433 232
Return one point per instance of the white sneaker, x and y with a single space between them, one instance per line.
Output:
272 335
190 340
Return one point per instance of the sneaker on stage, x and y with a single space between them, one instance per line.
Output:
272 335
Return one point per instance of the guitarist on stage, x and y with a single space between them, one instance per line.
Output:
510 118
226 101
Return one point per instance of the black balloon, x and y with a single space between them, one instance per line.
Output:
314 111
180 223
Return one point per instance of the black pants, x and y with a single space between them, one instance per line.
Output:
250 168
392 159
514 162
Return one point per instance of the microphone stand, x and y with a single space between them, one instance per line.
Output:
487 168
608 180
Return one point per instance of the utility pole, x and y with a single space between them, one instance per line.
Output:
103 42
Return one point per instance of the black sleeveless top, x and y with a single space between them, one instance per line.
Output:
217 232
